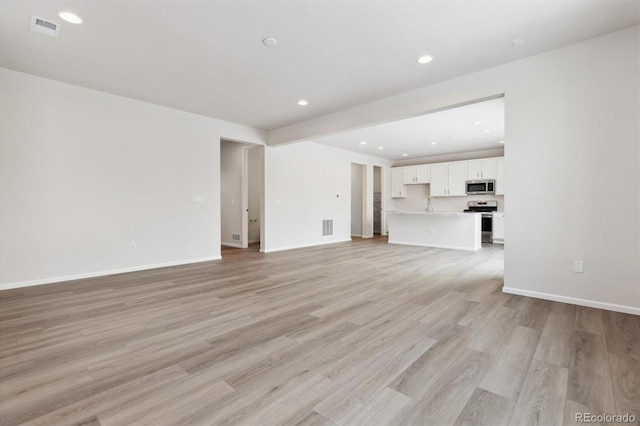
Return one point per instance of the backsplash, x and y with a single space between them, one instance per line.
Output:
417 196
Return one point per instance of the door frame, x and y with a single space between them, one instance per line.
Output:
244 236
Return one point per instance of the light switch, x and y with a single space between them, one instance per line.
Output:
578 266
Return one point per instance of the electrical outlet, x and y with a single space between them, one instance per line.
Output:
578 266
133 245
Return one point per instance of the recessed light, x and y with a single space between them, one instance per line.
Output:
425 59
434 143
363 143
380 147
501 142
302 102
269 41
405 155
72 18
477 123
486 131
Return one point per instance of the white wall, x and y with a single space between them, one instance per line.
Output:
307 183
84 173
231 157
356 199
572 146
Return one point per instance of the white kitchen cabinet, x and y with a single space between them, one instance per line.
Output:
448 179
498 228
416 174
500 176
397 186
457 178
482 169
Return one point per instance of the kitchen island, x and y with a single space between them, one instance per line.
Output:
451 230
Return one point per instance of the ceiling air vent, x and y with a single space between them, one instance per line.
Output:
45 27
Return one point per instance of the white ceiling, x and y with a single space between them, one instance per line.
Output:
207 57
444 132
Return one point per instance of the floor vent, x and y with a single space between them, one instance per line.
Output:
327 227
45 27
235 237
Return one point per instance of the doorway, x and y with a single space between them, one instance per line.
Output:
241 196
358 193
252 190
378 228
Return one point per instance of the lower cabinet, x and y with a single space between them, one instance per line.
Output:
498 228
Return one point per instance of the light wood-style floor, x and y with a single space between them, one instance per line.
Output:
352 333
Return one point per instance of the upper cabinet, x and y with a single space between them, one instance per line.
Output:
397 187
416 174
448 179
485 168
500 176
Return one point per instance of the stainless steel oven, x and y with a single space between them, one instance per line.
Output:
486 208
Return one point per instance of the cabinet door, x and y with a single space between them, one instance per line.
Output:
397 188
409 175
488 169
423 173
500 176
498 229
474 169
457 177
438 180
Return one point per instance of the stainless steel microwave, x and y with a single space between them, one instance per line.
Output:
486 186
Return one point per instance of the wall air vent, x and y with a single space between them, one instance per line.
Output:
235 237
45 27
327 227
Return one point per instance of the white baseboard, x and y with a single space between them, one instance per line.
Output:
357 235
573 300
304 246
53 280
253 241
232 245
